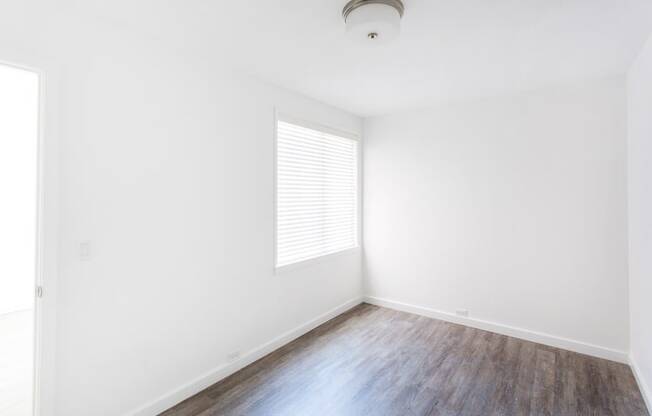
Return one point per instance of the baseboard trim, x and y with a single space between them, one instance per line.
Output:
642 385
538 337
211 377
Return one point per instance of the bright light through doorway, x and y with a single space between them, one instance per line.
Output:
18 193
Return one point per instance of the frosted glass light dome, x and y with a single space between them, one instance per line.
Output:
373 21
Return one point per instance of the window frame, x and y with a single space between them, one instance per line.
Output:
287 118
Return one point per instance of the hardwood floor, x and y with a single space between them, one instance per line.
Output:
376 361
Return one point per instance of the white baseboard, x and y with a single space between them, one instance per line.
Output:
538 337
642 385
200 383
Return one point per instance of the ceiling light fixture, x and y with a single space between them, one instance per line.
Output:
376 21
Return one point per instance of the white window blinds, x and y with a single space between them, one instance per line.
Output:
316 193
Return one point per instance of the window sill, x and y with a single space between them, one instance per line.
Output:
316 261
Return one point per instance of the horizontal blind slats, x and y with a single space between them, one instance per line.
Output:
305 134
314 238
299 249
309 218
317 186
307 146
294 229
302 160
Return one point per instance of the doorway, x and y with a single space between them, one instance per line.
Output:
19 138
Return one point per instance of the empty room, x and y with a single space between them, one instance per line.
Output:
326 207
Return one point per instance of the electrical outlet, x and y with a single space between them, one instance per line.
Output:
462 312
85 250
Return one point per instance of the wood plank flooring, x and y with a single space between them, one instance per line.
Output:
376 361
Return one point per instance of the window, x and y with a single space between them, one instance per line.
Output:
316 193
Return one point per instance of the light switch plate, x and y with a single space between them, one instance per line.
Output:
85 250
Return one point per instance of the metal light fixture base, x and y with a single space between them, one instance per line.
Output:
355 4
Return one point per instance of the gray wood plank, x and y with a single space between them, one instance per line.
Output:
377 361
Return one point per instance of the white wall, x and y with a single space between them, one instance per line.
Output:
18 156
171 179
640 216
513 208
167 169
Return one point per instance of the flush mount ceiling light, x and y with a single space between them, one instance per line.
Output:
374 21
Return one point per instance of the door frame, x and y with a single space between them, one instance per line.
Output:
47 220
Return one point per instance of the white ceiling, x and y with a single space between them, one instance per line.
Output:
448 49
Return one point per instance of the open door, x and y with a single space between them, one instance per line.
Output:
19 133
